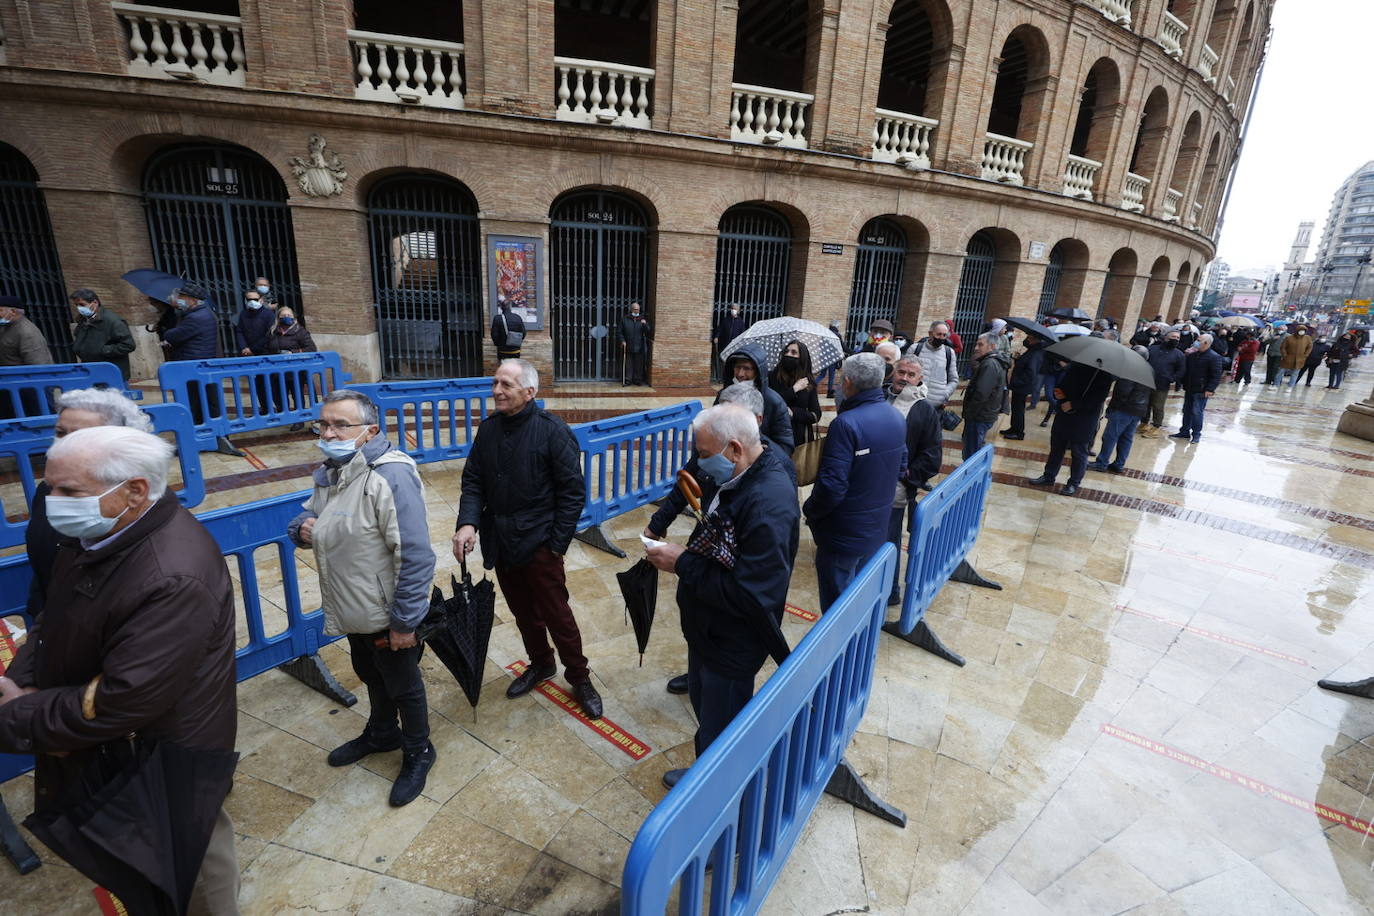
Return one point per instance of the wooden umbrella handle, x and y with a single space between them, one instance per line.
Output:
691 490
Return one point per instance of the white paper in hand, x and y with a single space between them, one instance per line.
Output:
650 542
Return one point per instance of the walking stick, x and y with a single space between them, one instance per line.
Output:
622 365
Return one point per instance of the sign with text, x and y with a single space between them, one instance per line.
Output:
515 264
832 248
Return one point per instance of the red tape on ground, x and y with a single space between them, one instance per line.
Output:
109 904
1245 782
604 727
1219 637
803 613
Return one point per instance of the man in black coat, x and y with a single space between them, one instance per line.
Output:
1167 361
1200 379
507 333
731 613
196 335
983 397
1080 396
635 336
729 325
924 451
1126 410
1025 378
523 488
100 336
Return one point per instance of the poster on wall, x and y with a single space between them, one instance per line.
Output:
514 264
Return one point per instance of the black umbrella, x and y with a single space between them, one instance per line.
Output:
1032 328
458 630
140 821
155 284
1071 314
639 586
1106 355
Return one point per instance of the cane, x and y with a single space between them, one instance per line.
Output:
622 365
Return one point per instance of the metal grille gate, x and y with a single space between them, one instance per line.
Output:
29 265
975 282
877 288
599 265
1049 290
426 277
217 216
753 254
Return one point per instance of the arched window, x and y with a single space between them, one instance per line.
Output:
876 290
753 260
1018 98
1185 167
600 53
1147 151
1049 288
773 52
1092 128
29 265
1118 285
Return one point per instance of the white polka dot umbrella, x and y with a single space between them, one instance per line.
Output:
773 334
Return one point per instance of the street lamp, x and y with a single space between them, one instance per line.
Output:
1360 263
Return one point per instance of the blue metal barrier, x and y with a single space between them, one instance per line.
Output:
30 391
750 795
630 461
944 527
433 419
26 438
261 392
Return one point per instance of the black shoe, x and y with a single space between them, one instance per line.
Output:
529 680
411 781
1196 440
1114 469
1045 422
296 427
678 684
1012 434
1094 466
588 699
894 600
673 777
1181 436
360 747
1069 489
1044 480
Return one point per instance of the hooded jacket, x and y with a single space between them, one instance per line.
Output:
983 398
371 541
777 418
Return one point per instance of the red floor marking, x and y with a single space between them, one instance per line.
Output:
109 904
803 613
257 463
604 727
1219 637
1245 782
1190 556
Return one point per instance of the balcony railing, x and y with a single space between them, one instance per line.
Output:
1115 10
1133 192
179 44
595 92
902 138
1171 32
416 71
1079 175
1172 199
1004 158
771 116
2 44
1207 64
1195 214
1228 90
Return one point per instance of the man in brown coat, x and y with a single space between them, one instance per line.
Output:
136 637
1296 347
21 343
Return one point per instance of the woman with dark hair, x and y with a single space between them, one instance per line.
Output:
795 383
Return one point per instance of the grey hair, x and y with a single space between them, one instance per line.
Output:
911 361
117 453
367 408
1207 338
864 370
887 346
939 324
114 408
745 395
729 421
529 376
989 338
1110 334
1142 351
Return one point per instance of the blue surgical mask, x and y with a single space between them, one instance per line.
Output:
717 468
338 449
80 516
263 290
286 321
253 304
85 311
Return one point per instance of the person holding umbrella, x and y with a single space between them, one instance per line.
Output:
1125 411
1201 375
1079 399
794 382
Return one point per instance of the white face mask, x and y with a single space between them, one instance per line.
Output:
338 449
80 516
253 304
263 289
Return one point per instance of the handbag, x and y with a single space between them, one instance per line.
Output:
513 338
950 420
807 458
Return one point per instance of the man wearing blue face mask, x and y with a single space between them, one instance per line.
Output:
366 523
100 336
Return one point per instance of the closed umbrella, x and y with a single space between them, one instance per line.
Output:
639 587
1033 328
1106 355
773 334
458 630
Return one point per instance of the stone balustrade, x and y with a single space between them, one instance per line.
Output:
1195 214
1172 199
1228 90
415 71
1207 64
769 116
1004 158
1079 175
179 44
1133 192
597 92
1171 33
1114 10
902 138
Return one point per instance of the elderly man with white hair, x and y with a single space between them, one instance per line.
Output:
134 652
1201 374
731 591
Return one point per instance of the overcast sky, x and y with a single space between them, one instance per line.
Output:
1313 125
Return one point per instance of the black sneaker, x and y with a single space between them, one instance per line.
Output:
360 747
411 781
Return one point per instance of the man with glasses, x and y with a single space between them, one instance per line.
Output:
366 523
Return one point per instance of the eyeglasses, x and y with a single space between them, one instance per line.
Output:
319 426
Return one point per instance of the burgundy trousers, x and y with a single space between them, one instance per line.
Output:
537 594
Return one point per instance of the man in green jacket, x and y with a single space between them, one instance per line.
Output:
100 335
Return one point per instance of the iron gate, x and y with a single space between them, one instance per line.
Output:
426 277
975 282
753 254
29 265
599 264
877 288
1049 290
217 216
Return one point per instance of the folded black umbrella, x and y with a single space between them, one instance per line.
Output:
639 586
458 630
140 820
1032 328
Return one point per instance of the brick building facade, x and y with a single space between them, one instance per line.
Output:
1014 155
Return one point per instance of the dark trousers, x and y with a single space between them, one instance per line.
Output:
1243 368
1018 411
1336 373
1309 370
894 537
212 398
834 572
1194 408
1074 435
634 368
395 690
716 699
537 594
1271 368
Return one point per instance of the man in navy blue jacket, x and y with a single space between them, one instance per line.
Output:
1201 375
851 503
195 336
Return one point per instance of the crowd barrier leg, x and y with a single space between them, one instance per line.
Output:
923 637
593 536
311 671
16 850
966 574
847 785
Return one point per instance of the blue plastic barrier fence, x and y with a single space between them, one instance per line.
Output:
29 391
750 795
432 419
26 438
630 461
944 527
247 393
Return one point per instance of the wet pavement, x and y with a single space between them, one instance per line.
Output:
1138 728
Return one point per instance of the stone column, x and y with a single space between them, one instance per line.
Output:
692 39
516 57
336 284
682 312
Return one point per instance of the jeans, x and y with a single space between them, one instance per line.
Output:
394 689
829 376
1158 400
537 594
1045 389
974 434
1194 403
1296 373
1119 435
834 572
1336 371
716 700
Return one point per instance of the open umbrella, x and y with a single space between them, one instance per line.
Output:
458 630
639 587
773 334
1071 314
1106 355
154 283
1032 328
1240 321
1061 331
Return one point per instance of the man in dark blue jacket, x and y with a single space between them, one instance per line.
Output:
851 503
254 325
747 364
731 612
195 336
1167 361
1200 379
